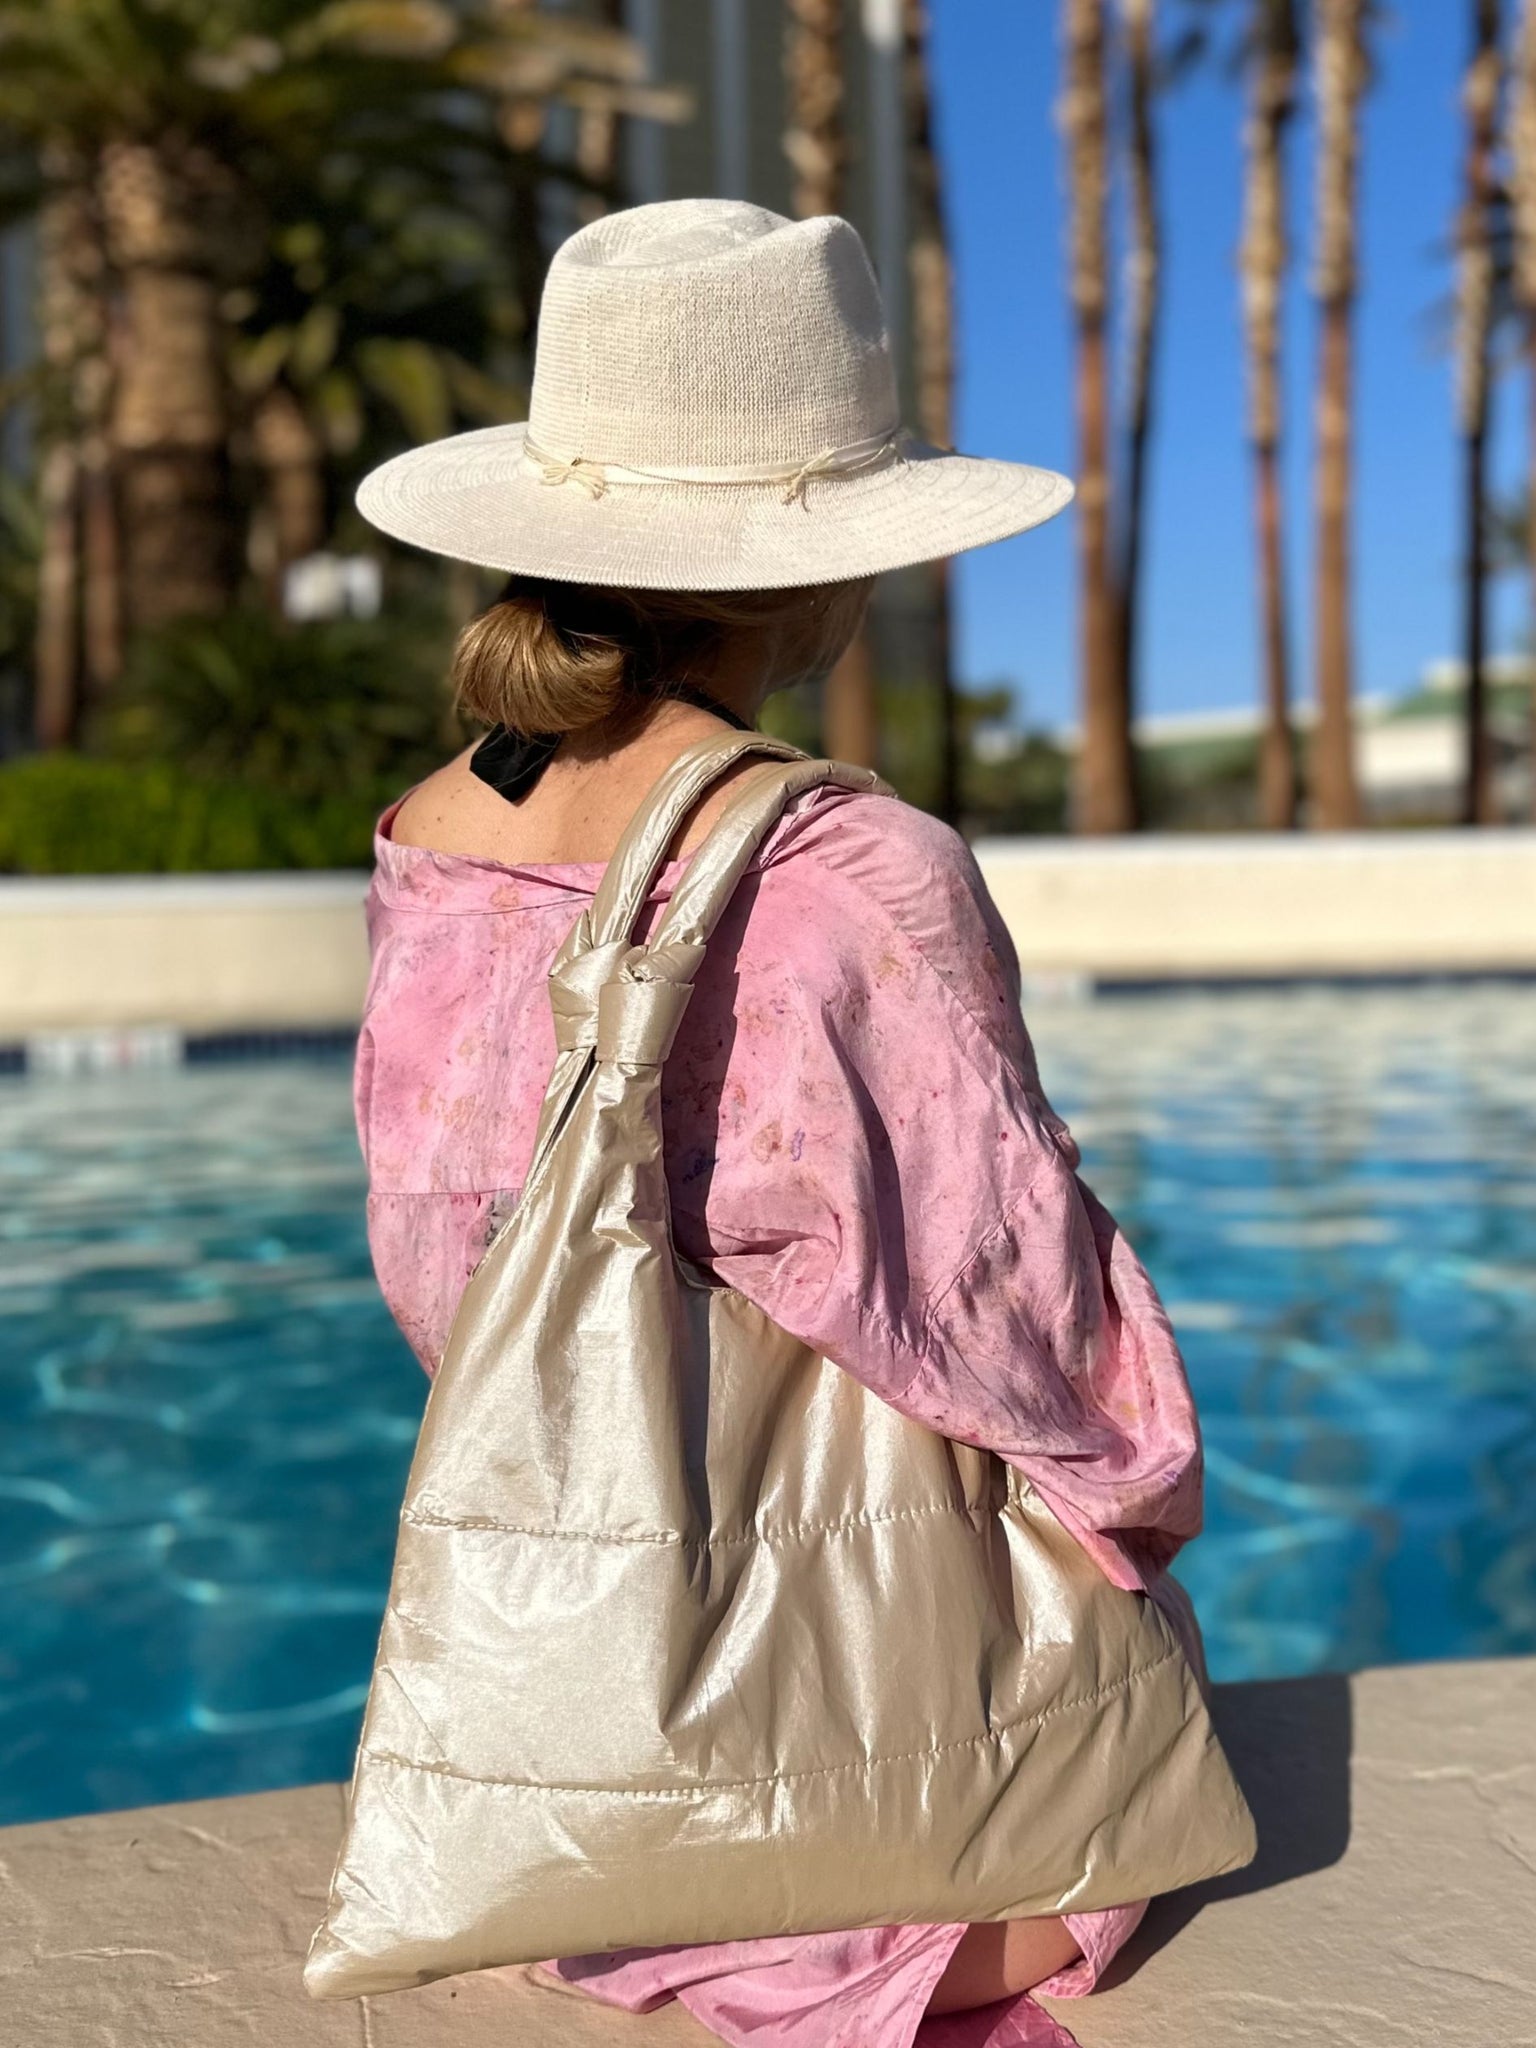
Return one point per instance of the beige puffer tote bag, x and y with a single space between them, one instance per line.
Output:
690 1638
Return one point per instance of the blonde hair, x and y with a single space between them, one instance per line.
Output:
558 657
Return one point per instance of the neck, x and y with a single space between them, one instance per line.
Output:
738 679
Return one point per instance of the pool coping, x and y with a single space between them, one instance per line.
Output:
265 959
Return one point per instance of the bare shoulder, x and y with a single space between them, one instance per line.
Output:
450 811
575 815
713 802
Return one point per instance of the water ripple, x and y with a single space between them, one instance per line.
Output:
206 1414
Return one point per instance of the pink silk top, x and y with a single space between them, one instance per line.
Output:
856 1139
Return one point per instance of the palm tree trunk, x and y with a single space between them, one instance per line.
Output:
1477 782
1530 548
1340 82
170 436
70 329
56 708
1475 286
1522 157
1104 797
101 568
849 725
933 334
1336 799
598 137
816 146
101 583
1144 278
170 425
1274 49
521 122
1277 751
815 134
290 461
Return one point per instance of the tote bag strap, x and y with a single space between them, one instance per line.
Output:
598 954
709 881
600 941
597 942
642 851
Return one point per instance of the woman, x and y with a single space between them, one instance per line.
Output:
855 1135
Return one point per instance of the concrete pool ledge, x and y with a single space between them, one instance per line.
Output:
1393 1905
181 952
1263 906
209 953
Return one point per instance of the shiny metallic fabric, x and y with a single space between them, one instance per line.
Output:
692 1639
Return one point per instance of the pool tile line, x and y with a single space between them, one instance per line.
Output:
1348 983
164 1046
99 1051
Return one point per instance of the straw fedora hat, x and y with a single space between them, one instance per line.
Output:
714 408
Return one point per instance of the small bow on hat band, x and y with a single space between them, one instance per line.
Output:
595 477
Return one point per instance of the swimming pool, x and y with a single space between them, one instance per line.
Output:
206 1414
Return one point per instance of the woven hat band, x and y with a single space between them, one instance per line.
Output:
875 451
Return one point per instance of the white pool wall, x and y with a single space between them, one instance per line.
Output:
288 951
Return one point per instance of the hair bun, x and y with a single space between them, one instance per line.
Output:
558 657
514 666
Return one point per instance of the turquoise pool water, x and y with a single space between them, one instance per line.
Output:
206 1415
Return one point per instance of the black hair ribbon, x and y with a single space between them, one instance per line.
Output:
511 762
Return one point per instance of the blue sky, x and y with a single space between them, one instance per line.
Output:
996 70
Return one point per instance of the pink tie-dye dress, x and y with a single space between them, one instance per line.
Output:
857 1140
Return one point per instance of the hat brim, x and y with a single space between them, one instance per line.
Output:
473 497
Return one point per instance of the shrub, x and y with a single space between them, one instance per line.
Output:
62 814
241 742
343 707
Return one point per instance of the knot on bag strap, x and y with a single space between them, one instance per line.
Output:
575 983
637 1020
624 999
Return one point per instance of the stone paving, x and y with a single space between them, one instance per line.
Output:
1392 1905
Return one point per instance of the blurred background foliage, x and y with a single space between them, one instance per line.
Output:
245 741
69 814
268 242
273 241
340 707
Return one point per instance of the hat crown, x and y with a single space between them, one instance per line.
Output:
708 333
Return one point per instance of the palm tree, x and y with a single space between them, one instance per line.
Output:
597 136
174 222
933 337
405 296
65 310
1272 55
597 70
1474 320
815 133
1340 80
56 705
208 153
816 145
1522 153
289 520
1105 799
1143 269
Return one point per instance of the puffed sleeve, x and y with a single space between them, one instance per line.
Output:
889 1183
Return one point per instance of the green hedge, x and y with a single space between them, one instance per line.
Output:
67 814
